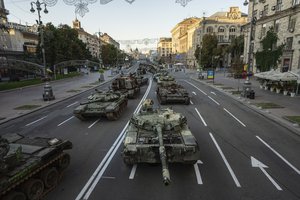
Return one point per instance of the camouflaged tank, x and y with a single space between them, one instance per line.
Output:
127 85
168 91
109 104
159 136
31 167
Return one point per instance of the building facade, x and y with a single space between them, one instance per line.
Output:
107 39
92 42
164 50
226 26
180 42
283 16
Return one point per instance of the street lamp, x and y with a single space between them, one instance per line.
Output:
38 5
247 84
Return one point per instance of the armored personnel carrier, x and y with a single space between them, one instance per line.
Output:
31 167
168 91
126 85
159 136
109 104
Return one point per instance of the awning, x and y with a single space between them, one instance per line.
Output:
266 75
286 76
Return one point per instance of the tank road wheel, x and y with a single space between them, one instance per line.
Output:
50 177
186 100
128 161
34 189
163 100
64 162
15 196
79 116
110 116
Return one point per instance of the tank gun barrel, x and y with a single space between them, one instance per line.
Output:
163 157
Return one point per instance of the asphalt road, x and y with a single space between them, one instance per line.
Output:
231 139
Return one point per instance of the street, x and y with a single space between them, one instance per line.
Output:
244 155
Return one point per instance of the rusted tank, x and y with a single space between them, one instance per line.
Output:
102 103
31 167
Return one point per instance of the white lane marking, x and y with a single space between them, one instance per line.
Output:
65 121
133 170
261 166
72 104
234 117
94 123
197 171
36 121
214 93
214 100
279 155
195 87
201 117
191 102
194 93
236 181
94 179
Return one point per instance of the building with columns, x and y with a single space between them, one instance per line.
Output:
284 17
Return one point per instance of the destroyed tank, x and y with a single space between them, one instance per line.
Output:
109 104
159 136
168 91
127 85
31 167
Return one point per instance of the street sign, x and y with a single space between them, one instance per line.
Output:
210 74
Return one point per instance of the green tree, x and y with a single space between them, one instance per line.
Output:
236 49
109 55
270 54
208 50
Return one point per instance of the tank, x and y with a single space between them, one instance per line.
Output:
168 91
127 85
31 167
109 104
159 136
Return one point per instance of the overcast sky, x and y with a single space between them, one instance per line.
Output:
139 20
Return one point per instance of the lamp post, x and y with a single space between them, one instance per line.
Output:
247 83
38 5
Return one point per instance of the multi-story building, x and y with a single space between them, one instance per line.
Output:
284 17
109 40
225 25
180 41
92 42
164 50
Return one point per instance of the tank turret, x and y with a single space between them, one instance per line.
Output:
159 136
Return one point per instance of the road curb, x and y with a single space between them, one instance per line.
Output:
267 115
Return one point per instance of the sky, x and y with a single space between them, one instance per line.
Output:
120 19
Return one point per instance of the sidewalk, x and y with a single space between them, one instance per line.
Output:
289 106
30 98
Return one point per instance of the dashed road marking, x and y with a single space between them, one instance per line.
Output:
72 104
65 121
36 121
214 93
195 87
214 100
201 117
234 117
191 102
94 123
133 170
197 171
194 93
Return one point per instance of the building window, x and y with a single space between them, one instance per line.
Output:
296 2
210 29
289 43
276 25
232 29
221 29
292 24
221 38
255 13
265 11
263 30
